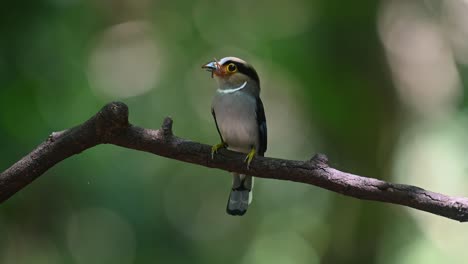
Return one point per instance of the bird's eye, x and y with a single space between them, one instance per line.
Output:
231 67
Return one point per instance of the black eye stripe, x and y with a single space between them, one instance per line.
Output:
245 69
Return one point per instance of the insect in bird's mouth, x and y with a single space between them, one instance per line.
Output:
217 67
212 67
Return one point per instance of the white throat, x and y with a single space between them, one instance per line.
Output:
227 91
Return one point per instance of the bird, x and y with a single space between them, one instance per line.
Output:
239 116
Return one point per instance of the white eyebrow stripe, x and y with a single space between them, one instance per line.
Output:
226 91
225 59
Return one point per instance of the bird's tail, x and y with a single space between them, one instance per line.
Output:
241 194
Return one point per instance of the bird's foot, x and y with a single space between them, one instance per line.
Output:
215 148
250 157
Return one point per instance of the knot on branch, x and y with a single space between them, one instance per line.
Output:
111 118
55 135
319 160
166 127
460 204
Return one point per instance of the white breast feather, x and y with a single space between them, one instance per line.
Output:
237 121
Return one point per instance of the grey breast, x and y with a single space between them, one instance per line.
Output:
237 121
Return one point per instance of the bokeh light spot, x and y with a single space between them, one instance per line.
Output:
420 58
126 61
100 236
281 247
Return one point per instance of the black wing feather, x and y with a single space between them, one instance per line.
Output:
262 127
216 122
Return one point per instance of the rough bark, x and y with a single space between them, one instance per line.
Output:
111 126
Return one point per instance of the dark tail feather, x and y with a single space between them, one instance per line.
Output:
241 194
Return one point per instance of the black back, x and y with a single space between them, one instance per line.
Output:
262 128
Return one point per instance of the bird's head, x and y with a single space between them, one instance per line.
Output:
232 72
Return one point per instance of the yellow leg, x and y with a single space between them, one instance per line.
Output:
216 147
250 156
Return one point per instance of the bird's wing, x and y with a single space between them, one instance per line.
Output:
214 116
262 127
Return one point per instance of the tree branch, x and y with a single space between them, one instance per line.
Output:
111 126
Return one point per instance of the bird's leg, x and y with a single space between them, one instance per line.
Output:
250 156
216 147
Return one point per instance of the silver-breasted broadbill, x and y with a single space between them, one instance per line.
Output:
240 119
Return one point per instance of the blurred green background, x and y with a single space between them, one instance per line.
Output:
376 85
